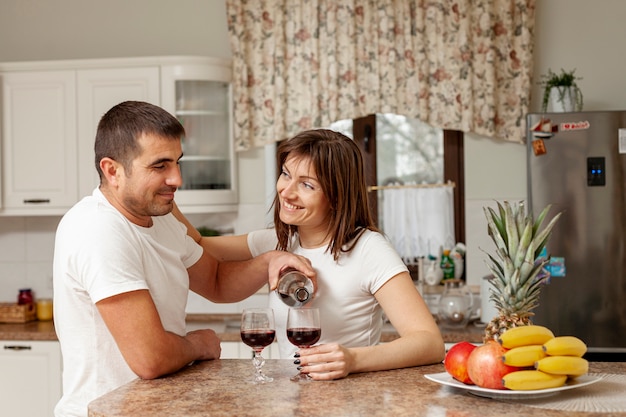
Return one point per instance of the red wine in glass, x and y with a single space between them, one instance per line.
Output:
304 336
303 330
258 331
258 339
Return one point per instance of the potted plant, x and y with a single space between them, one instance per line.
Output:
561 91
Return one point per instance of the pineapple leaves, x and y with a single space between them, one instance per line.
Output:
544 235
511 229
515 264
540 218
495 228
524 244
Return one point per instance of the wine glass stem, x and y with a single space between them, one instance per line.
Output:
258 362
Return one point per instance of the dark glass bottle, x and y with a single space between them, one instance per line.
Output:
25 296
294 288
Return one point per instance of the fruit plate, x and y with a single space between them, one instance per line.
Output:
445 378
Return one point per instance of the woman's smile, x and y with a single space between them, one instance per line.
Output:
291 207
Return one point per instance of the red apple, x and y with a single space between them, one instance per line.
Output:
455 361
485 367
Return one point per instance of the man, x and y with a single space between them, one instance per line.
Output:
123 265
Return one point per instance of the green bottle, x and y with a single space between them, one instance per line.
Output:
447 265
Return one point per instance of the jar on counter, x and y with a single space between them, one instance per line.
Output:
44 309
25 296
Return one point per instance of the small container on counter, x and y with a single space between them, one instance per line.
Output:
447 265
44 309
25 296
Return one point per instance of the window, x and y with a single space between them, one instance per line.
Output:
400 150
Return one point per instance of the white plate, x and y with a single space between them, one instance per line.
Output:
445 378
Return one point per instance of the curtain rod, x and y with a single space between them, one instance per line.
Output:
387 187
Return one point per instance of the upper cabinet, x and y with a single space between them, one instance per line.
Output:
98 91
50 113
39 141
200 97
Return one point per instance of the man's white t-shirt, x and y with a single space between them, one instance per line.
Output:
98 254
349 313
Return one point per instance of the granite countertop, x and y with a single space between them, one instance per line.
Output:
33 330
225 325
223 388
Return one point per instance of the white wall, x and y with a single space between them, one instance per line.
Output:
581 34
33 30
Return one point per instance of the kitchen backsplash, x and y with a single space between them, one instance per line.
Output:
27 248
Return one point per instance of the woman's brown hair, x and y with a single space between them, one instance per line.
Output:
338 163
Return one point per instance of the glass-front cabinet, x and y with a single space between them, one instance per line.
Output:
199 95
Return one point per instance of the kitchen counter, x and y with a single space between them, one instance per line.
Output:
223 388
225 325
33 330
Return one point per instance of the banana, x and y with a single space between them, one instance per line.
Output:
525 335
565 346
527 380
522 356
563 365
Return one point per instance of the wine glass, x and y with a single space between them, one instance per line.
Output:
258 331
303 331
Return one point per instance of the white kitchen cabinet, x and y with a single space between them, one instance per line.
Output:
50 112
30 378
239 350
39 140
98 91
274 352
199 95
49 126
230 350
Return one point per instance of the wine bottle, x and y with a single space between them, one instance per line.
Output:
294 288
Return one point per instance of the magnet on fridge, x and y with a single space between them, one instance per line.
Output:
544 129
539 148
556 266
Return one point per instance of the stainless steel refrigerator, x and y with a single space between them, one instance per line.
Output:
577 163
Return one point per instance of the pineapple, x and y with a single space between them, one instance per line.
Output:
517 267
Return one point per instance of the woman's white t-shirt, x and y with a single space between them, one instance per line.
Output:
350 314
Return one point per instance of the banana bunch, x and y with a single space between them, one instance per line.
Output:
553 359
524 336
531 379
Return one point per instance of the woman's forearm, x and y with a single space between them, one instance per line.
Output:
415 349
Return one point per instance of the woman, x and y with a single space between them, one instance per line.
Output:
321 213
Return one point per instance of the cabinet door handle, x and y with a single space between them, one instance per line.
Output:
16 347
37 201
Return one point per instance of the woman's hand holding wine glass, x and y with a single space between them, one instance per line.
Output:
258 331
303 330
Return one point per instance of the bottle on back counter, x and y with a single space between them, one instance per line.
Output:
294 288
447 265
25 296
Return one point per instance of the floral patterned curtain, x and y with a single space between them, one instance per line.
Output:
454 64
